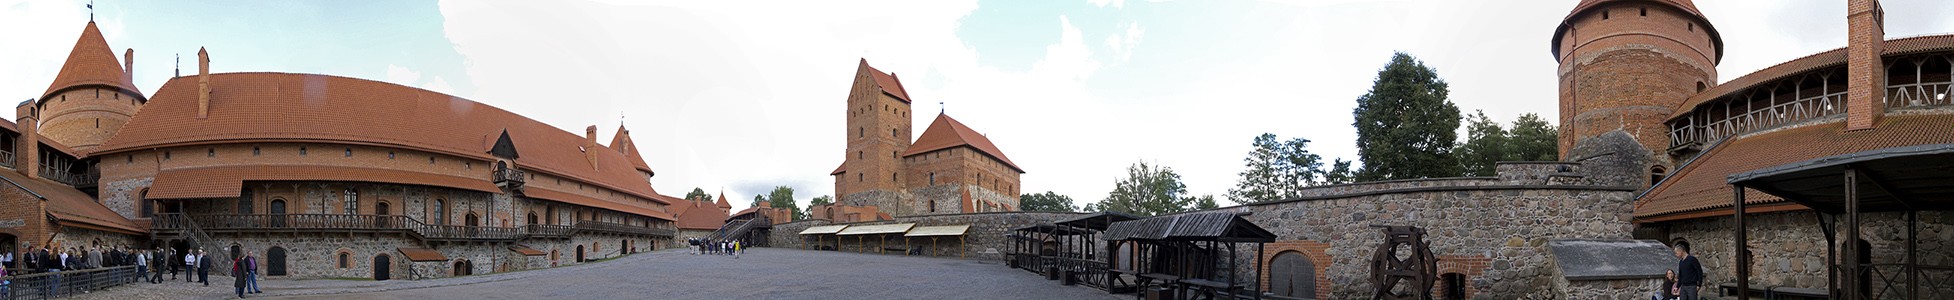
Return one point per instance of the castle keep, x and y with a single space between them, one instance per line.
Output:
950 168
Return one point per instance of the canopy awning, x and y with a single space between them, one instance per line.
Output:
1203 226
525 250
876 229
952 230
823 229
1098 221
1891 179
1052 229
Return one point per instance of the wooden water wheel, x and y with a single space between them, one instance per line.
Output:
1403 267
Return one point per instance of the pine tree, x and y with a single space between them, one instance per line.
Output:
1276 170
1405 125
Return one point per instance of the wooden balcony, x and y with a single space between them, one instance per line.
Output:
469 233
176 224
305 222
623 229
549 231
508 177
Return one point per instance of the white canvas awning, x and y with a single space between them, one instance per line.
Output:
876 229
823 229
952 230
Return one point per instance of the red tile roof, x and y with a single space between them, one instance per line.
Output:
1701 183
699 215
547 194
945 133
227 181
422 254
91 63
888 82
70 205
1685 5
324 108
1809 63
526 250
839 169
623 144
722 201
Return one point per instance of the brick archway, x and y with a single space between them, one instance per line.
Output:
1316 252
1472 267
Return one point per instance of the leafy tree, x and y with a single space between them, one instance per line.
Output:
1047 201
1147 190
1533 139
1339 173
757 199
1405 125
1205 202
697 193
782 197
1485 146
1276 170
822 200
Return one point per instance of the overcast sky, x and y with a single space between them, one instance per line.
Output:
743 95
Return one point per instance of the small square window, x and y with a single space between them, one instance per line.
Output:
349 152
166 155
390 155
254 151
301 150
430 160
212 152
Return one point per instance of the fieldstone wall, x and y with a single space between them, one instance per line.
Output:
82 237
941 198
1788 248
984 241
888 201
1641 288
119 196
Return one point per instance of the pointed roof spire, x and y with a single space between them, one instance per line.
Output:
92 63
722 200
623 144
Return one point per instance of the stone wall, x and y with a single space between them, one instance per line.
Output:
1641 288
1788 248
985 241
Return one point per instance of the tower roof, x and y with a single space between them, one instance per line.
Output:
945 133
1684 5
92 63
888 82
722 201
622 143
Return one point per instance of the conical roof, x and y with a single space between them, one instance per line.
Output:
945 133
722 201
622 143
92 63
1684 5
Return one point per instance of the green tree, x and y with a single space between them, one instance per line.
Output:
1405 125
757 199
782 197
822 200
1533 139
1276 170
1339 173
1205 202
1147 190
698 193
1047 201
1486 144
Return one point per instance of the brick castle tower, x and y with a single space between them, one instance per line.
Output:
92 96
1626 65
878 133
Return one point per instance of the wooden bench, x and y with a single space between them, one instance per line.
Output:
1209 288
1170 282
1775 292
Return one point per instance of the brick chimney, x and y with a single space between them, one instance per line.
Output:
590 145
129 65
27 152
1865 76
203 83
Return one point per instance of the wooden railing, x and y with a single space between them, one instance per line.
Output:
549 231
454 232
7 158
305 222
508 176
334 223
63 176
622 229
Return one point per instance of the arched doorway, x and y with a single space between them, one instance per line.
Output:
275 261
624 246
382 267
1452 286
1292 275
7 242
554 256
277 212
464 268
473 221
382 208
579 253
532 218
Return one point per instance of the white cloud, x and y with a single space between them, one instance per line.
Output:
402 75
1122 43
1104 3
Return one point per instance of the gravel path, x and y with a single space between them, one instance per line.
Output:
763 273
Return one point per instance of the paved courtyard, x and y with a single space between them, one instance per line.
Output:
763 273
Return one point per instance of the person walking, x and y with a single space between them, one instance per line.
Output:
237 276
169 254
1689 272
737 250
95 257
158 259
189 266
203 267
251 272
142 264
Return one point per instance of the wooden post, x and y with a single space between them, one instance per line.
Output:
1743 259
1913 263
1852 236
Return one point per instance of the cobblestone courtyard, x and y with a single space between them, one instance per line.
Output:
763 273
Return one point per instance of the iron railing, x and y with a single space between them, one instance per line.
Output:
49 285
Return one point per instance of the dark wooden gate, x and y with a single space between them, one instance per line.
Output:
1292 275
275 261
382 267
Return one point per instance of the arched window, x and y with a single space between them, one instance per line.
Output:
1656 174
345 260
532 218
244 200
352 202
1699 84
1292 275
439 214
148 207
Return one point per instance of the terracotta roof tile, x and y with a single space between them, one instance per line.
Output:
623 144
839 169
1685 5
70 205
526 250
945 133
422 254
227 181
547 194
91 63
1701 183
1814 62
323 108
888 82
700 215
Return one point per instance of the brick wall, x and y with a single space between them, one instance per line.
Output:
878 132
1865 70
1629 69
85 118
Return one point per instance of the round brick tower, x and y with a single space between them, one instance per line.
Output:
92 96
1627 64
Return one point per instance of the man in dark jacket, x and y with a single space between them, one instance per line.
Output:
237 276
1689 272
203 268
157 260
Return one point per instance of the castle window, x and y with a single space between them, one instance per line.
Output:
210 152
166 155
1604 15
254 151
1699 86
892 177
390 155
861 131
430 159
301 151
132 158
932 178
349 152
1645 11
1656 174
468 165
858 177
352 202
893 154
345 260
1692 27
892 131
98 122
858 155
